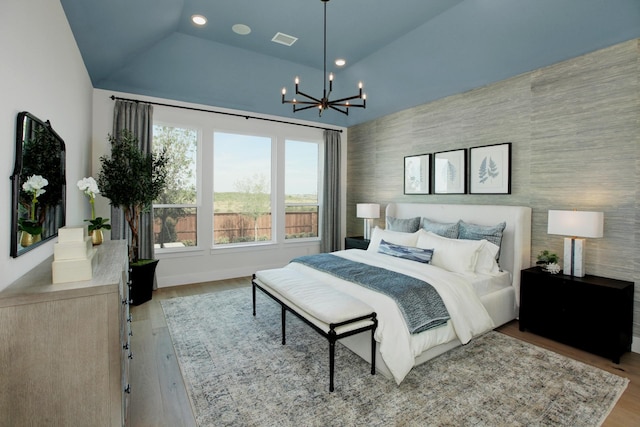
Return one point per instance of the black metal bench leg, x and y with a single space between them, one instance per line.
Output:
253 285
284 313
373 353
332 357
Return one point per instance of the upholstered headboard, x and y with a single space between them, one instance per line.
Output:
515 254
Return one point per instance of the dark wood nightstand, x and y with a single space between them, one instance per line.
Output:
356 242
592 313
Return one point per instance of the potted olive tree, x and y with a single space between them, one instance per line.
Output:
132 180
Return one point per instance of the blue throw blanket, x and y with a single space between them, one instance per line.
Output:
418 301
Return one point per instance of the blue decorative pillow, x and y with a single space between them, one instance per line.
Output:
409 225
448 230
406 252
491 233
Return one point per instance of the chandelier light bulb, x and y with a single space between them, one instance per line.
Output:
284 90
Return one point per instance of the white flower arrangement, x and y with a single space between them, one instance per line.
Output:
34 186
89 186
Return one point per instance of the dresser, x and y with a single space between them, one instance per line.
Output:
591 312
65 348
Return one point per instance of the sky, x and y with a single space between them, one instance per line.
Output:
240 156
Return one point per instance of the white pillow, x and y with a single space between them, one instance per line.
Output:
487 263
458 256
396 237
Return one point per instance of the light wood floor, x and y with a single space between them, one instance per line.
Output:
159 398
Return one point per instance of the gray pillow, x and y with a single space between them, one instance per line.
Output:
448 230
492 233
409 225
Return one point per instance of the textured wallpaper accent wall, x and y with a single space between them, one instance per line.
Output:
575 130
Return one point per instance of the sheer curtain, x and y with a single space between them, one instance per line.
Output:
137 117
330 233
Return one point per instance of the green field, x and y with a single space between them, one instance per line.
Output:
233 201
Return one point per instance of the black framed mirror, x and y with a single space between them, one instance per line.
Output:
38 193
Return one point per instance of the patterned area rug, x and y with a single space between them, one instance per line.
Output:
238 374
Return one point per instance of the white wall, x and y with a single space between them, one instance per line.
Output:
41 72
204 263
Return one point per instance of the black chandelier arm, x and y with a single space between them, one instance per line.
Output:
316 100
348 105
292 101
295 108
345 111
347 99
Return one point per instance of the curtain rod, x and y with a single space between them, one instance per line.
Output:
246 116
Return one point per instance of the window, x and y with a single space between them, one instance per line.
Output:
241 188
175 212
301 184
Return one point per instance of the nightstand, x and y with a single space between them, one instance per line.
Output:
592 313
357 242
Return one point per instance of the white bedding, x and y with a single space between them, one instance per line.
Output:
397 347
489 299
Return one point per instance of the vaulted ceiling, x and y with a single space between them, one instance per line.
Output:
406 52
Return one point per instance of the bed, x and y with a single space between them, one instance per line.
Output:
477 301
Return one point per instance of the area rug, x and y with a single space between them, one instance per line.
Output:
237 373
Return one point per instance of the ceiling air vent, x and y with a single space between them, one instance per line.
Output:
284 39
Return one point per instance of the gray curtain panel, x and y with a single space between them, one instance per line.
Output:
137 117
330 233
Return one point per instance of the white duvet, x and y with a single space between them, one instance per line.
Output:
398 347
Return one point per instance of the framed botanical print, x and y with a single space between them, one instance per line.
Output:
416 174
490 169
450 172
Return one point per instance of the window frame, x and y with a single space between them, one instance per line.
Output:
207 124
186 124
319 186
273 189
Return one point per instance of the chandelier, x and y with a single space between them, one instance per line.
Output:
342 105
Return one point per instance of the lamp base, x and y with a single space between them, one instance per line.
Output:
367 229
574 256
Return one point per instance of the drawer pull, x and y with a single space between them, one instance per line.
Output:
127 389
130 355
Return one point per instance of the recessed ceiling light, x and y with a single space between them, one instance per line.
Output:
241 29
199 20
340 62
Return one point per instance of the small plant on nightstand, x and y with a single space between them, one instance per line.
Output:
548 261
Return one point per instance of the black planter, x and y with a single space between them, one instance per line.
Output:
141 281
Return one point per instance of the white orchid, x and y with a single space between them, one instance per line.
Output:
89 186
34 185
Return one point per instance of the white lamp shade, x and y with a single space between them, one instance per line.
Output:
368 210
576 223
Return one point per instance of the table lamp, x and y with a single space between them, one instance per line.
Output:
577 224
368 211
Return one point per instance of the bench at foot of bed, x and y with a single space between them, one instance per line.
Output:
330 312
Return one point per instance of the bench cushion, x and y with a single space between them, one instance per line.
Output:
312 297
